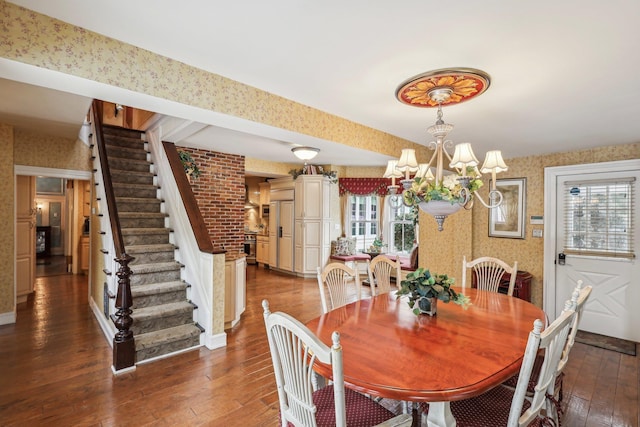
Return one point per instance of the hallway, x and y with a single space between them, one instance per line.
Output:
55 368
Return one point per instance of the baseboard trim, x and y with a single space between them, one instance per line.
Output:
215 341
103 322
8 318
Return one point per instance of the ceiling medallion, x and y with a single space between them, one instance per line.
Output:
443 87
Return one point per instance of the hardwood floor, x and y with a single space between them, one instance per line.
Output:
55 368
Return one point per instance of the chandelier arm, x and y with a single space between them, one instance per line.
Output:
395 201
495 198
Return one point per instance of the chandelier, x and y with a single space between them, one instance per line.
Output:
440 194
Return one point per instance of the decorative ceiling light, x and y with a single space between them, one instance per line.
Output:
442 195
305 153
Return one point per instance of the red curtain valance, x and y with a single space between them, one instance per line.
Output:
364 186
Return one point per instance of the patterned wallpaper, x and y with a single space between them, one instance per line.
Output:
39 40
35 149
7 222
470 236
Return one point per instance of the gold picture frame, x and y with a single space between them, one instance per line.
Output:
508 219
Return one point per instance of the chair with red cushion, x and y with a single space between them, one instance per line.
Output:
294 350
341 283
501 406
577 302
489 272
380 270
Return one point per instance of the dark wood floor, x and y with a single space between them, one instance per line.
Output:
55 368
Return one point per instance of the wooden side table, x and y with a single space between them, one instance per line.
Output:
521 288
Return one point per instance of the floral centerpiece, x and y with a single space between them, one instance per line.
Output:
377 245
425 289
450 189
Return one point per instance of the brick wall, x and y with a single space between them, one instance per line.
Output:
220 194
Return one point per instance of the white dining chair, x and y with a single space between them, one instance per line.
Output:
577 302
294 350
380 271
489 272
502 406
341 283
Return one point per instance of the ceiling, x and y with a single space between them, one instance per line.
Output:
556 68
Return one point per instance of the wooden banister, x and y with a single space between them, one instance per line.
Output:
124 348
189 200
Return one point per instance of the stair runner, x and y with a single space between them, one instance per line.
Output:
162 315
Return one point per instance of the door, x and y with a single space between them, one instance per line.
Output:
595 237
285 236
273 233
25 236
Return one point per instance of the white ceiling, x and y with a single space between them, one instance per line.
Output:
562 72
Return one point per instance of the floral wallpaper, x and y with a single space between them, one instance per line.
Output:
35 39
467 234
7 222
35 149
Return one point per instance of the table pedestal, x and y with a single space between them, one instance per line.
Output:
439 415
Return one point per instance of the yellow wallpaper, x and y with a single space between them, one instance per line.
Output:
443 249
35 149
7 220
39 40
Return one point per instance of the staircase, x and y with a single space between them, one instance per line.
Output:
162 315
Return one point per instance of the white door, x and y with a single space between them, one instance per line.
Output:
285 236
588 228
25 236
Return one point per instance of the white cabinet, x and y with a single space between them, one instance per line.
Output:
235 294
262 250
281 224
312 223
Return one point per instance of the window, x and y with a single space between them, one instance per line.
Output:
402 230
598 218
363 221
399 228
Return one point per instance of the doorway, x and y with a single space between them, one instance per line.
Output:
592 218
54 222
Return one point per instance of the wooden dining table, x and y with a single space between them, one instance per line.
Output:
459 353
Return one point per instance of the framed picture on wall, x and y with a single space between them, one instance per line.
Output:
53 186
507 220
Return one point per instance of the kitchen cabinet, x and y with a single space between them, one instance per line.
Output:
265 199
84 254
262 250
235 294
312 223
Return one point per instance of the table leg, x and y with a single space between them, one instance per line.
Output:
439 415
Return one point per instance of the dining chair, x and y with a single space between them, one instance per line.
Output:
502 406
577 302
489 272
294 350
380 270
339 282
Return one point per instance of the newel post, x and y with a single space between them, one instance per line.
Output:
124 348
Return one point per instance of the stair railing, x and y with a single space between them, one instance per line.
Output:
123 342
204 266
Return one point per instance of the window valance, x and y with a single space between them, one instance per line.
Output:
364 186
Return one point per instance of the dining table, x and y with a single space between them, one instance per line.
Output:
459 353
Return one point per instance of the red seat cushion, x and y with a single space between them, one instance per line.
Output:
488 409
361 411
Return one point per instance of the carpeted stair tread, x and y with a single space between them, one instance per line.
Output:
143 231
131 186
155 267
157 338
158 311
141 249
138 199
143 215
156 288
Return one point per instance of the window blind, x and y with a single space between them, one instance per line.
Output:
598 217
